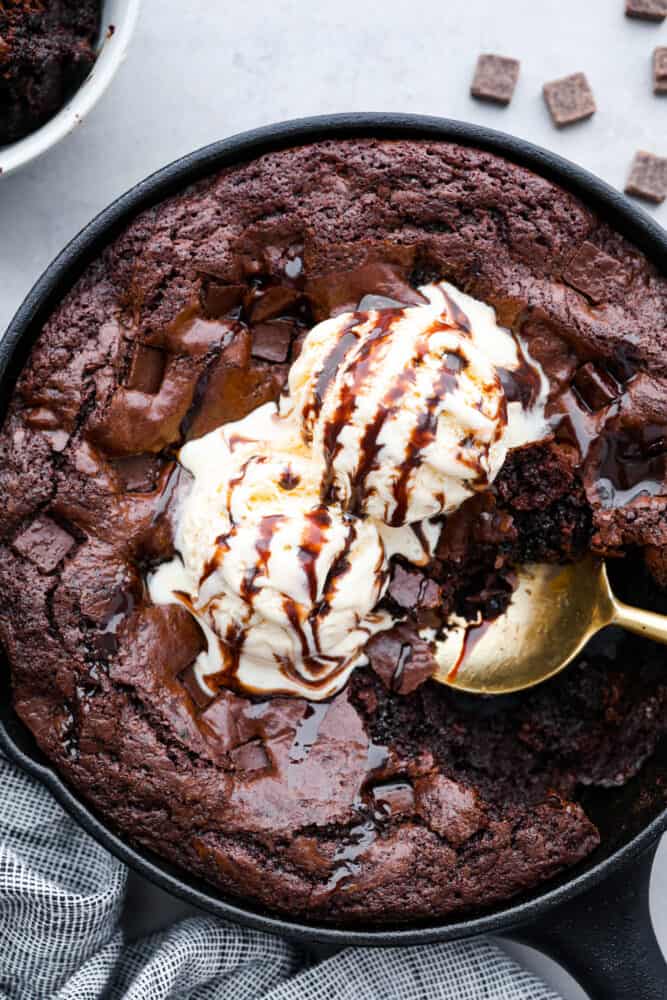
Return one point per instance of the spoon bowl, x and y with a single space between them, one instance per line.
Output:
553 613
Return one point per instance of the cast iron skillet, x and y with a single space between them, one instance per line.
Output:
595 920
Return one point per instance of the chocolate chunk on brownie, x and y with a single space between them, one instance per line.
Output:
413 591
46 51
44 542
271 341
569 99
646 10
392 800
648 177
495 78
660 70
401 659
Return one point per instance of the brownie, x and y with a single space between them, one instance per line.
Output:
397 799
46 51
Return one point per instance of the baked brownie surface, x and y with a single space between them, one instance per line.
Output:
398 798
47 48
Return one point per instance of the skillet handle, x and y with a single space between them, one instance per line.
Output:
605 938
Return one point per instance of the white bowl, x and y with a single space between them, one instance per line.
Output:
122 15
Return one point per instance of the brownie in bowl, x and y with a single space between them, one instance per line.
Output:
337 782
47 48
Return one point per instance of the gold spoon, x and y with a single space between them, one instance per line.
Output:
554 611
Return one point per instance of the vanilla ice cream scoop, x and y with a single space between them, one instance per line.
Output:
286 537
283 587
405 408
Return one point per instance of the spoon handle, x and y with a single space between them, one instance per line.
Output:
646 623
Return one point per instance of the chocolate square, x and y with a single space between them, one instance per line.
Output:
594 273
569 99
411 590
495 78
222 300
647 10
648 177
393 798
44 543
251 756
660 70
146 370
273 302
596 387
137 473
271 341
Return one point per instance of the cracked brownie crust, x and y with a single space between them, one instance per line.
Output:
398 799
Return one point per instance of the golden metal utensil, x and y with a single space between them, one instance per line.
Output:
554 611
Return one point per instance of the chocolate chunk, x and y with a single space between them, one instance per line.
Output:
222 300
594 273
451 809
495 78
41 418
190 332
411 590
46 421
569 100
648 177
401 659
393 798
274 301
146 370
341 291
271 341
231 392
138 473
44 543
660 70
134 422
251 757
596 387
646 10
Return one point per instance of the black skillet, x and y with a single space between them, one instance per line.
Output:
595 919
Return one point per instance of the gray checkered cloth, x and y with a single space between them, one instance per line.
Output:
61 897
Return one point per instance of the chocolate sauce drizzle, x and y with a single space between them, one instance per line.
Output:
423 433
473 633
321 666
367 361
368 357
349 337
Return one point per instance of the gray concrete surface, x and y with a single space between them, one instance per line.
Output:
205 69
